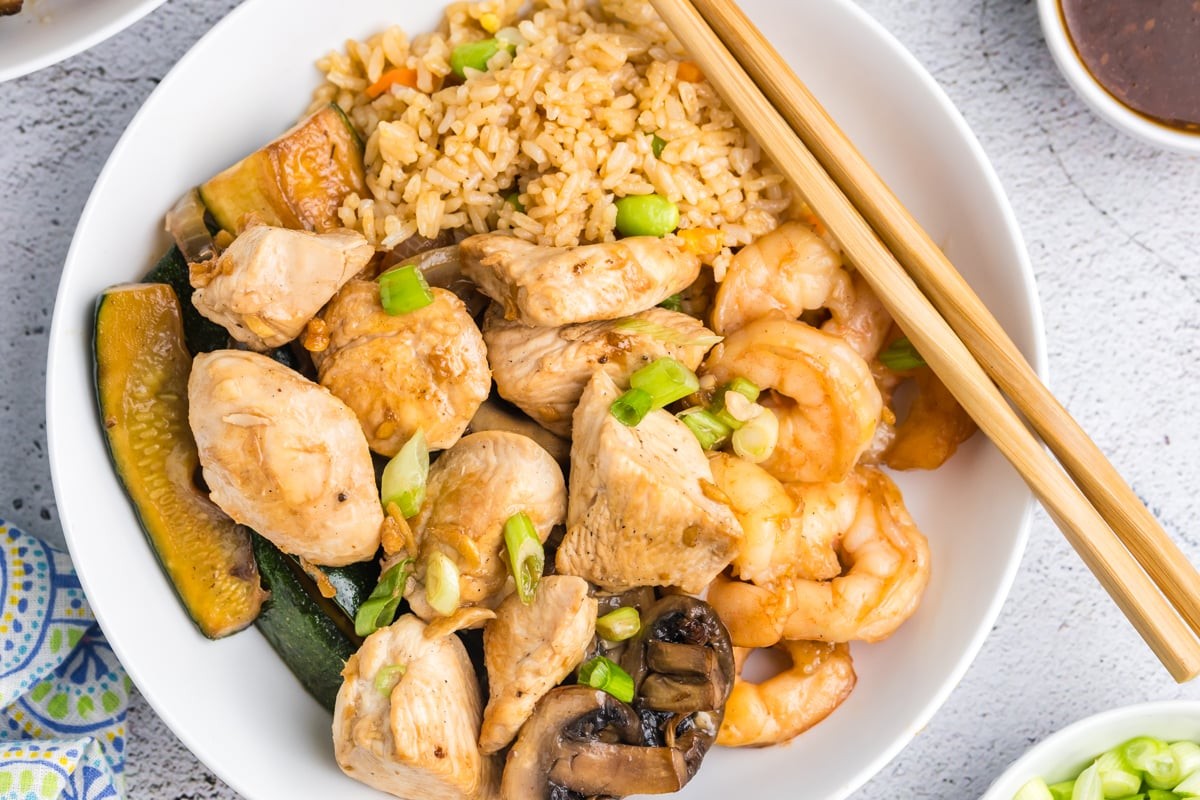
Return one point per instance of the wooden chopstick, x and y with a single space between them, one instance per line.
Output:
1121 576
983 335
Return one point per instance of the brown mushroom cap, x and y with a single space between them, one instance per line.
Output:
584 743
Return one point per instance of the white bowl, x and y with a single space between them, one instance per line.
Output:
232 702
45 32
1063 755
1111 110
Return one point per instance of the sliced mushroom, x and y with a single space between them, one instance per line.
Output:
584 743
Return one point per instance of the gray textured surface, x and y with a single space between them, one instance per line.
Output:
1113 233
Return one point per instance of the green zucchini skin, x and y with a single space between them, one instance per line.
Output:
311 644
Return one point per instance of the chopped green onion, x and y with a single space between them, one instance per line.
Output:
601 673
646 215
473 55
672 303
665 380
1035 789
514 200
379 609
901 355
1161 794
526 558
1088 786
403 290
387 677
403 481
442 590
665 334
619 625
1116 777
743 387
657 145
1063 790
632 407
1188 756
720 403
756 440
710 430
1189 786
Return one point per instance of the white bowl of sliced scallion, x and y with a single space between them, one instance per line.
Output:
1143 752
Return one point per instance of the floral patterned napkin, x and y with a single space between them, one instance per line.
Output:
63 695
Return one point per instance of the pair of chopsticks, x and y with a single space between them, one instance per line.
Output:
1119 540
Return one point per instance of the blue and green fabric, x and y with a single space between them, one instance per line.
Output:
63 695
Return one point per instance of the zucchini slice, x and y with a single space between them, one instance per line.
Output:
142 368
297 181
312 645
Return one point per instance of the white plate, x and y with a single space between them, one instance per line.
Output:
232 702
47 31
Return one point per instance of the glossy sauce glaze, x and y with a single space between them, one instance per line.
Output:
1145 53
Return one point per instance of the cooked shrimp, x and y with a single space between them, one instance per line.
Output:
820 677
790 531
886 562
790 269
754 615
857 315
821 392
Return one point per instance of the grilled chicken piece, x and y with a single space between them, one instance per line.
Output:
424 369
284 457
642 510
418 739
529 649
270 282
472 491
560 285
543 370
8 7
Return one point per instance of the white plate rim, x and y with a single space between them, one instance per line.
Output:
1023 276
72 47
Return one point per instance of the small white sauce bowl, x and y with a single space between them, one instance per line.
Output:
1063 755
1111 110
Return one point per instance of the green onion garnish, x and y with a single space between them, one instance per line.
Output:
601 673
403 290
900 355
1034 789
756 440
711 431
619 625
672 303
631 407
657 145
1116 779
1088 785
442 591
379 609
720 404
664 333
403 481
665 380
387 677
526 558
514 200
1187 754
1142 768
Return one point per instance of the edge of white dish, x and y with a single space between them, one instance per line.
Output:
1096 97
1063 754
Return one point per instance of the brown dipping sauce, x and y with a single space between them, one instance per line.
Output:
1146 53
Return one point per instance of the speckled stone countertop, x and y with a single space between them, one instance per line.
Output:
1113 229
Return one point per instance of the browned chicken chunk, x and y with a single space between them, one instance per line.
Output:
530 649
473 488
425 369
407 717
543 370
284 457
270 282
643 509
560 285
